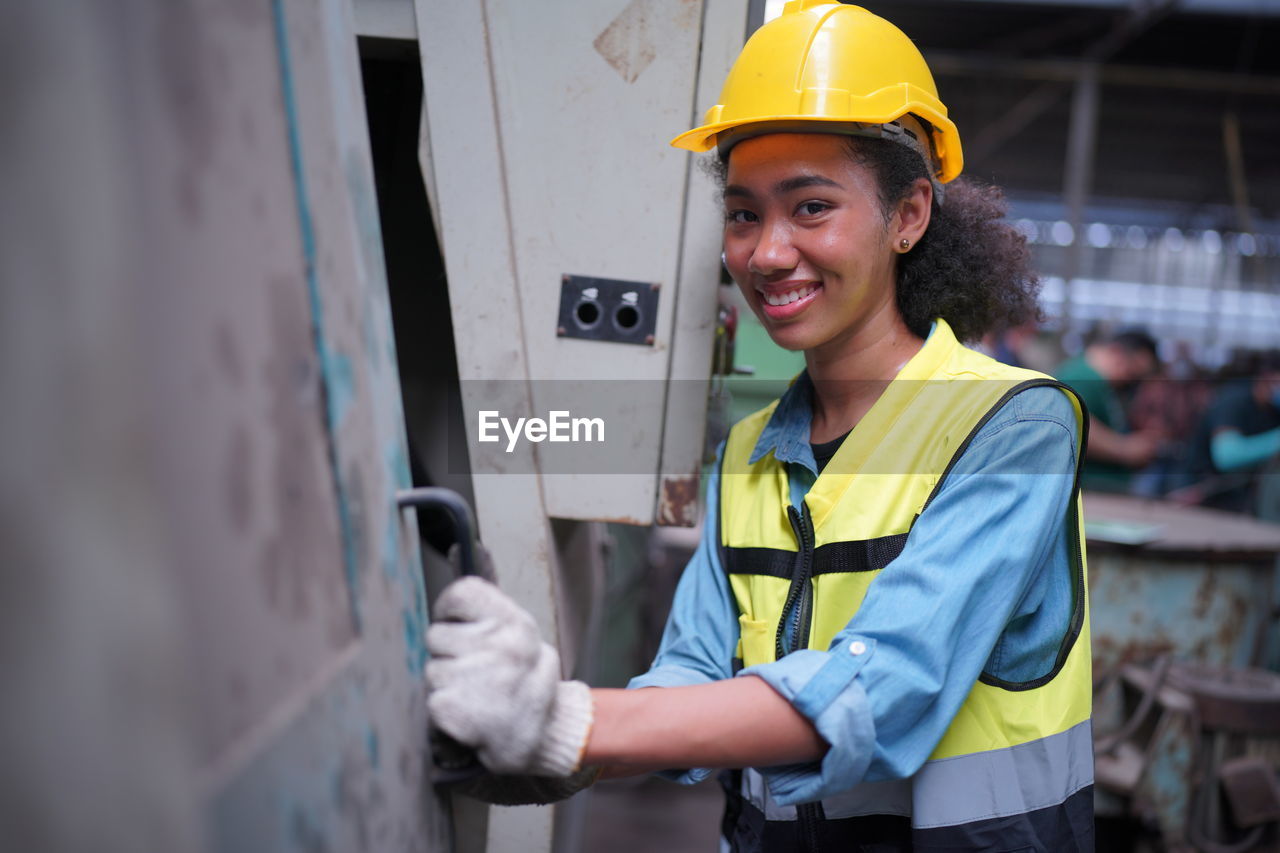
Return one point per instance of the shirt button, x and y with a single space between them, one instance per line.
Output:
857 647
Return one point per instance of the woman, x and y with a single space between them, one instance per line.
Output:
883 635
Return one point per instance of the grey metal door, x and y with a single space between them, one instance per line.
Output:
212 609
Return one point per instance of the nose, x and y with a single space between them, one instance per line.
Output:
774 251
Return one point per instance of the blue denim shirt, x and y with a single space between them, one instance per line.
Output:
983 584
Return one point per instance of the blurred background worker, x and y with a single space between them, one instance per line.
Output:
1104 376
1237 438
883 634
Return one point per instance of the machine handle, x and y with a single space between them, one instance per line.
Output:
463 522
454 762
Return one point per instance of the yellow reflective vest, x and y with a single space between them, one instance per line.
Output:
1014 770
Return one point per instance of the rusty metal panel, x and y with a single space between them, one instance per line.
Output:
1201 611
1164 578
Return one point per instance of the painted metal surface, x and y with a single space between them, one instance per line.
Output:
1199 588
94 673
225 598
391 19
545 161
1198 610
693 323
1194 586
1144 750
221 646
608 198
462 160
623 76
344 769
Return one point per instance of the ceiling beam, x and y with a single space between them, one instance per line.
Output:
1143 14
960 64
1261 8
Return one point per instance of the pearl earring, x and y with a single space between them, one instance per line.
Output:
904 244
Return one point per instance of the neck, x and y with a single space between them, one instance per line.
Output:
851 373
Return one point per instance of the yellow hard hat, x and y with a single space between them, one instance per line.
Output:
821 61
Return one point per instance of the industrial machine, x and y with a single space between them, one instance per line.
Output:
265 266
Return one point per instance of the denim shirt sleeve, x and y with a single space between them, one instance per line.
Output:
701 636
987 560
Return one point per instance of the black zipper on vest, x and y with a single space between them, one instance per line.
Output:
810 817
800 596
800 599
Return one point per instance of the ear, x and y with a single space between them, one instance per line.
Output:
911 217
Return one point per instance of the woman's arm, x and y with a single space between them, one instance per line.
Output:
872 705
739 722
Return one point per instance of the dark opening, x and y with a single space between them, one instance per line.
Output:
587 314
626 317
416 284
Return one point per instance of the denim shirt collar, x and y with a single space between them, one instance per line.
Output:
787 432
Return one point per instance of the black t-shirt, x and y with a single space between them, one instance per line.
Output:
823 452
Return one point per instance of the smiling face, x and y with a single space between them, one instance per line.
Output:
806 240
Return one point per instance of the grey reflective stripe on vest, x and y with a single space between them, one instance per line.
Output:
1004 782
868 798
963 789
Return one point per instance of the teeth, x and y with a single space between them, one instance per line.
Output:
790 296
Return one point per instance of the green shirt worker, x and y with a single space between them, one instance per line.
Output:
1099 375
851 240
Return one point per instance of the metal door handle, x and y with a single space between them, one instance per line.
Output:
454 762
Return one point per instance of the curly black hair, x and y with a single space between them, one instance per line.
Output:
971 267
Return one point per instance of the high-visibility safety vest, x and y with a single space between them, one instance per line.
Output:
1014 770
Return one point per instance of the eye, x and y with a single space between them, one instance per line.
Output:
740 217
812 208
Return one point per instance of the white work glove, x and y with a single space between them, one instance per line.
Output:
495 686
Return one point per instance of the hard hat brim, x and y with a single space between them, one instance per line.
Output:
946 139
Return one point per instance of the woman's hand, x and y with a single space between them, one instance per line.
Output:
496 686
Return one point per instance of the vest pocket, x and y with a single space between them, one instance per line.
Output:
758 640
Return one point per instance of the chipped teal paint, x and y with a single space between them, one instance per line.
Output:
412 587
415 628
371 747
341 382
328 361
415 644
398 461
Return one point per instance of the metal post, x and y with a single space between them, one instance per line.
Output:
1081 144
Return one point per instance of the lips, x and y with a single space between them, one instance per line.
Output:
781 302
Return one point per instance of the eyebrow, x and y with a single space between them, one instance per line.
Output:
784 186
802 181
